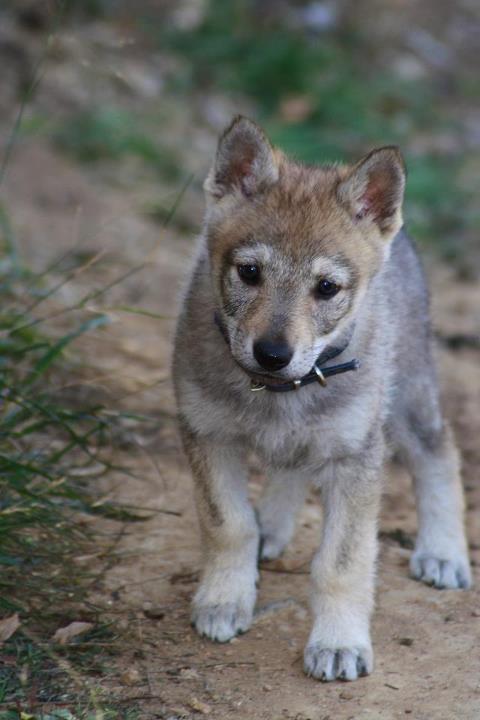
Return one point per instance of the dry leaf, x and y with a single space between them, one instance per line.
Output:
8 626
64 635
295 108
130 677
199 706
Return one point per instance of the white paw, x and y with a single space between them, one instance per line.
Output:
271 546
452 574
221 622
327 664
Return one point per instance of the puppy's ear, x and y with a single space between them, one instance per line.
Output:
373 190
245 161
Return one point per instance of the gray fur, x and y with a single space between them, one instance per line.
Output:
335 437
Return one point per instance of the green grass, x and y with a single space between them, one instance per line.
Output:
40 681
54 447
43 443
51 448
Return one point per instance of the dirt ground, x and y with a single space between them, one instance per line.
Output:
426 641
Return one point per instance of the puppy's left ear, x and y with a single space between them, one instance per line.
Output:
373 190
245 161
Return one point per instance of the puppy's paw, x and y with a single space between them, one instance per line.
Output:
451 574
271 546
327 664
221 622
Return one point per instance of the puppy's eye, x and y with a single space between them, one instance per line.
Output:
326 289
250 274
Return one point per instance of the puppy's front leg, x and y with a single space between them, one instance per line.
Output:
224 602
343 571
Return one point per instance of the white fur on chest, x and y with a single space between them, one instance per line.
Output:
279 427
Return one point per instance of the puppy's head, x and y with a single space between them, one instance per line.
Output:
293 248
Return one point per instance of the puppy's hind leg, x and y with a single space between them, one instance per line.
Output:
277 509
440 557
223 604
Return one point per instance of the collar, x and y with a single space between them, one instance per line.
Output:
318 373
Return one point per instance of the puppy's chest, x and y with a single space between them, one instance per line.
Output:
296 432
291 435
280 449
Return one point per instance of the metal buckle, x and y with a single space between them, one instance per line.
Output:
256 386
297 384
320 376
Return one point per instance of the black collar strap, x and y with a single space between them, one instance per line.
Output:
317 374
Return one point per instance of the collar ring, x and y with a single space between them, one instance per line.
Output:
320 375
256 386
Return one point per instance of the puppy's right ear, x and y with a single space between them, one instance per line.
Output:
245 161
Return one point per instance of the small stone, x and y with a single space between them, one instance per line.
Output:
475 613
199 706
345 695
189 674
130 677
267 688
408 642
154 613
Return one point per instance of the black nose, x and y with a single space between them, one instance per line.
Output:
272 355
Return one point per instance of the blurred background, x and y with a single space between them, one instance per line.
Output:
109 115
138 91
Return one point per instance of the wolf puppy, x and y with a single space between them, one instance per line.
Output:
300 269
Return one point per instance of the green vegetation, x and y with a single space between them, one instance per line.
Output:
39 675
347 101
47 445
111 134
54 446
